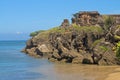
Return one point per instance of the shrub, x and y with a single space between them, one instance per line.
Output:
104 48
116 37
118 50
95 43
36 33
108 21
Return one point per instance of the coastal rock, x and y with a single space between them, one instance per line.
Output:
34 52
114 34
65 23
45 48
29 44
71 46
86 41
75 47
104 55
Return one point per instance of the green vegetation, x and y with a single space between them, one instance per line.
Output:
96 42
118 50
103 48
36 33
45 33
57 29
88 28
109 21
118 26
116 37
76 28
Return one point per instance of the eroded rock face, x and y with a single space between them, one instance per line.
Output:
104 55
75 47
85 18
86 46
92 18
114 34
34 52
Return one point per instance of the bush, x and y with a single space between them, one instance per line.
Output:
95 43
118 50
117 37
109 21
103 48
36 33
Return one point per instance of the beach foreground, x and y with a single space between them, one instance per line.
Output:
80 72
114 75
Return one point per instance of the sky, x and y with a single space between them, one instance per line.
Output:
18 18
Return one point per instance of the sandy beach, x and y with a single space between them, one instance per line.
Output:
79 72
115 75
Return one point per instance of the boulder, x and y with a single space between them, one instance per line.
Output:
29 43
33 52
45 48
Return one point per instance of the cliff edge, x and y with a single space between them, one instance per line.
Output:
91 38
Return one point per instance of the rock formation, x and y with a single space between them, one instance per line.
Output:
90 39
65 23
85 18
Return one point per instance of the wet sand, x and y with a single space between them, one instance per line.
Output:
85 72
78 72
115 75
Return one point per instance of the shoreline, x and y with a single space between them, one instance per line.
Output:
78 72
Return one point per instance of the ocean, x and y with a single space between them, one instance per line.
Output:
15 65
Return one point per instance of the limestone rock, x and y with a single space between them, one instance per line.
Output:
104 55
65 23
88 43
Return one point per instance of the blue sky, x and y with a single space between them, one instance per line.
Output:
24 16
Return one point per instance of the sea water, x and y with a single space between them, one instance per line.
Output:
15 65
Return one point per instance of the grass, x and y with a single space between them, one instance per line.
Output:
88 28
45 34
36 33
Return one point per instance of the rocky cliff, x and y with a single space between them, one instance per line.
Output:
91 38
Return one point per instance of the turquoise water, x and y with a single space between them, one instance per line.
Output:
15 65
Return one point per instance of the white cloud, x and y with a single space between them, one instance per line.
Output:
19 32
